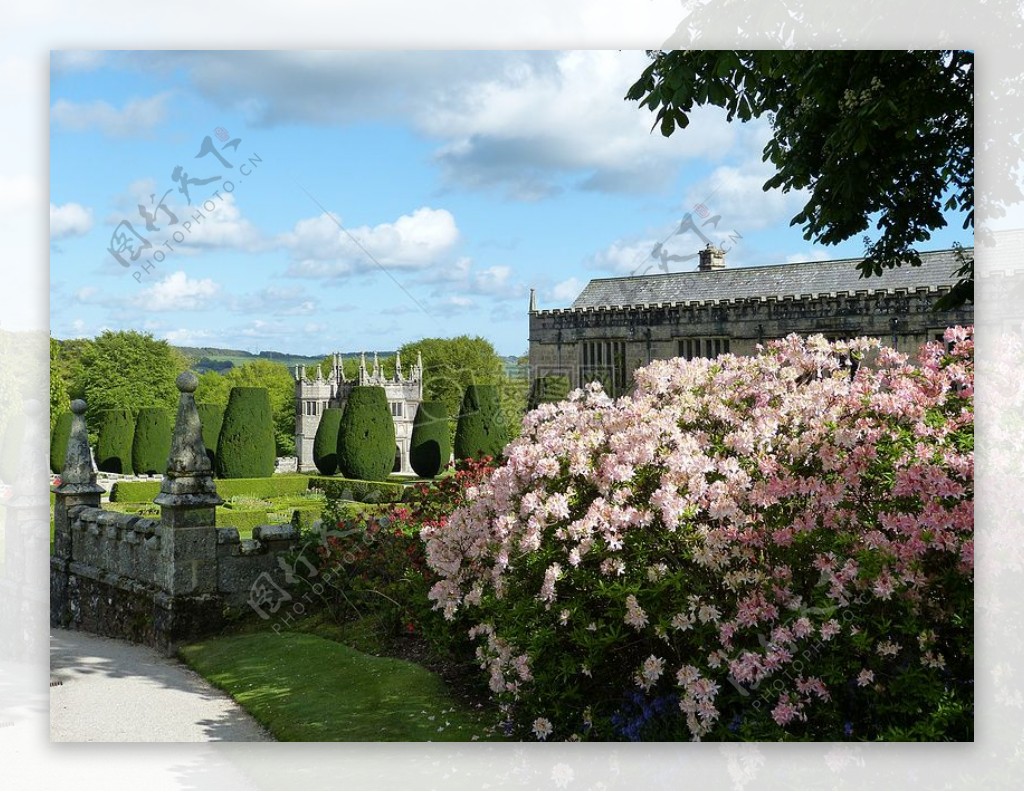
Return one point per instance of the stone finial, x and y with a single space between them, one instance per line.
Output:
189 477
376 367
398 367
78 476
533 301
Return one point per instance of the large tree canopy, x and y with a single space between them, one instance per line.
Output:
875 137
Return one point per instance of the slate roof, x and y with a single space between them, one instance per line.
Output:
778 280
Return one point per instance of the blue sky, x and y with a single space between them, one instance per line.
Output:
454 183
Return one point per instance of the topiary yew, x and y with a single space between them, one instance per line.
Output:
366 435
325 444
430 447
114 446
481 431
211 418
151 444
59 441
245 446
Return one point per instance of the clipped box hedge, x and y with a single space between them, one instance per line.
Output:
356 490
270 487
242 519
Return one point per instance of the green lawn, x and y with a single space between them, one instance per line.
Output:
306 688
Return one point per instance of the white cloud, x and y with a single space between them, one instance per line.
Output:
277 301
177 292
321 249
70 219
566 291
76 60
187 336
138 117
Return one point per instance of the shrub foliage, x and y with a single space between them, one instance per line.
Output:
245 447
430 447
481 431
151 444
548 390
763 548
325 444
211 419
59 441
366 435
114 446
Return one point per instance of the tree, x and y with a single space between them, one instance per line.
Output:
114 446
245 447
874 136
59 401
366 435
482 430
151 444
127 370
213 389
325 443
430 447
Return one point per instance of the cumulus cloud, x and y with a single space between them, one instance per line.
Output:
177 292
68 220
136 118
320 248
566 291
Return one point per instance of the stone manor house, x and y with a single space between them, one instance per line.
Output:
316 394
617 325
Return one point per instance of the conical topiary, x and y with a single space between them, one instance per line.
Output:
481 430
114 446
325 444
430 447
211 418
548 389
59 441
151 444
366 435
245 447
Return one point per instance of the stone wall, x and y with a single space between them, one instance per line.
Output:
165 581
902 318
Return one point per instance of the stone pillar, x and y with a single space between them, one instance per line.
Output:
77 488
188 546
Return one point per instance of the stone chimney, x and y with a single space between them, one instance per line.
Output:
711 258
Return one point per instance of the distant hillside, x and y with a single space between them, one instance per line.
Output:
217 359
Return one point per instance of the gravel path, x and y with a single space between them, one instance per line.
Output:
112 691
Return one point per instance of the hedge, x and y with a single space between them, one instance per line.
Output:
325 444
430 447
242 519
546 390
355 490
276 486
245 446
211 418
481 430
151 444
59 441
366 435
114 446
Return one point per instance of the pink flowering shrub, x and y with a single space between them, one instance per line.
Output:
769 547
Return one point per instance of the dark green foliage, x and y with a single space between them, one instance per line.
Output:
547 390
274 487
481 430
59 441
339 489
114 446
245 447
430 447
211 418
325 444
242 519
151 444
366 435
880 139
